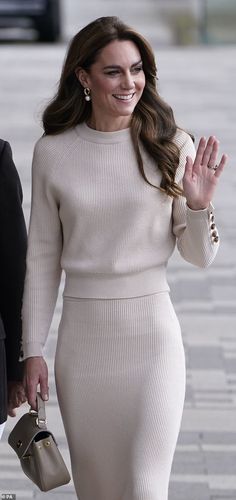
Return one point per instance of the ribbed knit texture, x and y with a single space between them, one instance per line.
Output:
120 368
94 216
120 374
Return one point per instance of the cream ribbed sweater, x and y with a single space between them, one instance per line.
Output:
95 217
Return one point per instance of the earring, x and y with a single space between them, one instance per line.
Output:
87 94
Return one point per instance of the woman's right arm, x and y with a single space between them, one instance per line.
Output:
43 270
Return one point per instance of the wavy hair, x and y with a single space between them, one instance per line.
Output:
152 122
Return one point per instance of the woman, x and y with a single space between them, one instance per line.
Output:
115 184
12 257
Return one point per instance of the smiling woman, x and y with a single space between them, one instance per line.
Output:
116 186
115 88
108 59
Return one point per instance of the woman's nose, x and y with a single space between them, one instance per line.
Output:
128 81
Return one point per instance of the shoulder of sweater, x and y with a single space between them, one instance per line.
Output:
56 145
51 150
182 139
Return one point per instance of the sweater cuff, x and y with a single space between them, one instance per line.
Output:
31 349
209 211
207 214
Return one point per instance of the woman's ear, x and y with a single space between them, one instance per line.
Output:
82 76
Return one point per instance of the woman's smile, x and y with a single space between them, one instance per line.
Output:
124 97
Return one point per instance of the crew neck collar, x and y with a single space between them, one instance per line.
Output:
92 135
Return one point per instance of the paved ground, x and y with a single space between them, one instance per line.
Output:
200 84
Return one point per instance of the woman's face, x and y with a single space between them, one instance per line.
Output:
116 81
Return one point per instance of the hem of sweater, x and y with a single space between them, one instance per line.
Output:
103 286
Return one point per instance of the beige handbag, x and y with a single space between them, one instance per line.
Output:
37 450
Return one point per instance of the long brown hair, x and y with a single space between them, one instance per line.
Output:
152 123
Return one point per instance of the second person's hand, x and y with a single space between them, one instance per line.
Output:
16 396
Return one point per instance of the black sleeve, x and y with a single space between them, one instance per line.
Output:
13 241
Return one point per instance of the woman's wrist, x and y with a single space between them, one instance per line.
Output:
196 206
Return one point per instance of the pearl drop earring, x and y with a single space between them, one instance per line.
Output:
87 94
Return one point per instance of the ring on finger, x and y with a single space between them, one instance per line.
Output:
212 167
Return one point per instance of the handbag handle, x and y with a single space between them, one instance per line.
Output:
41 413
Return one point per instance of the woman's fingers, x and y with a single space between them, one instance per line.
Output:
200 152
44 387
211 158
211 151
31 391
207 152
189 165
36 373
221 165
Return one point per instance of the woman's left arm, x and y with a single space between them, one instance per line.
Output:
193 215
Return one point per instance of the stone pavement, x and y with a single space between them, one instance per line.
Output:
200 85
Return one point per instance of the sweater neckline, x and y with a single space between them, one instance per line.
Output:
92 135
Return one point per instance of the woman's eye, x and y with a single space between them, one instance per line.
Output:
137 69
115 72
112 73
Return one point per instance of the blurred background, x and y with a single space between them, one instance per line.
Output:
194 44
181 22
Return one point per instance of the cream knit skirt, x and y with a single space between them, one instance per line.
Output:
120 375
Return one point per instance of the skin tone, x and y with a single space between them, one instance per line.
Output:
16 397
36 373
200 179
116 81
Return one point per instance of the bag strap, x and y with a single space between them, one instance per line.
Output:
41 413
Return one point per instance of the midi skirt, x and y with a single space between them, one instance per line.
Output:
120 378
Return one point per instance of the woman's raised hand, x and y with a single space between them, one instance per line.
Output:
201 176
